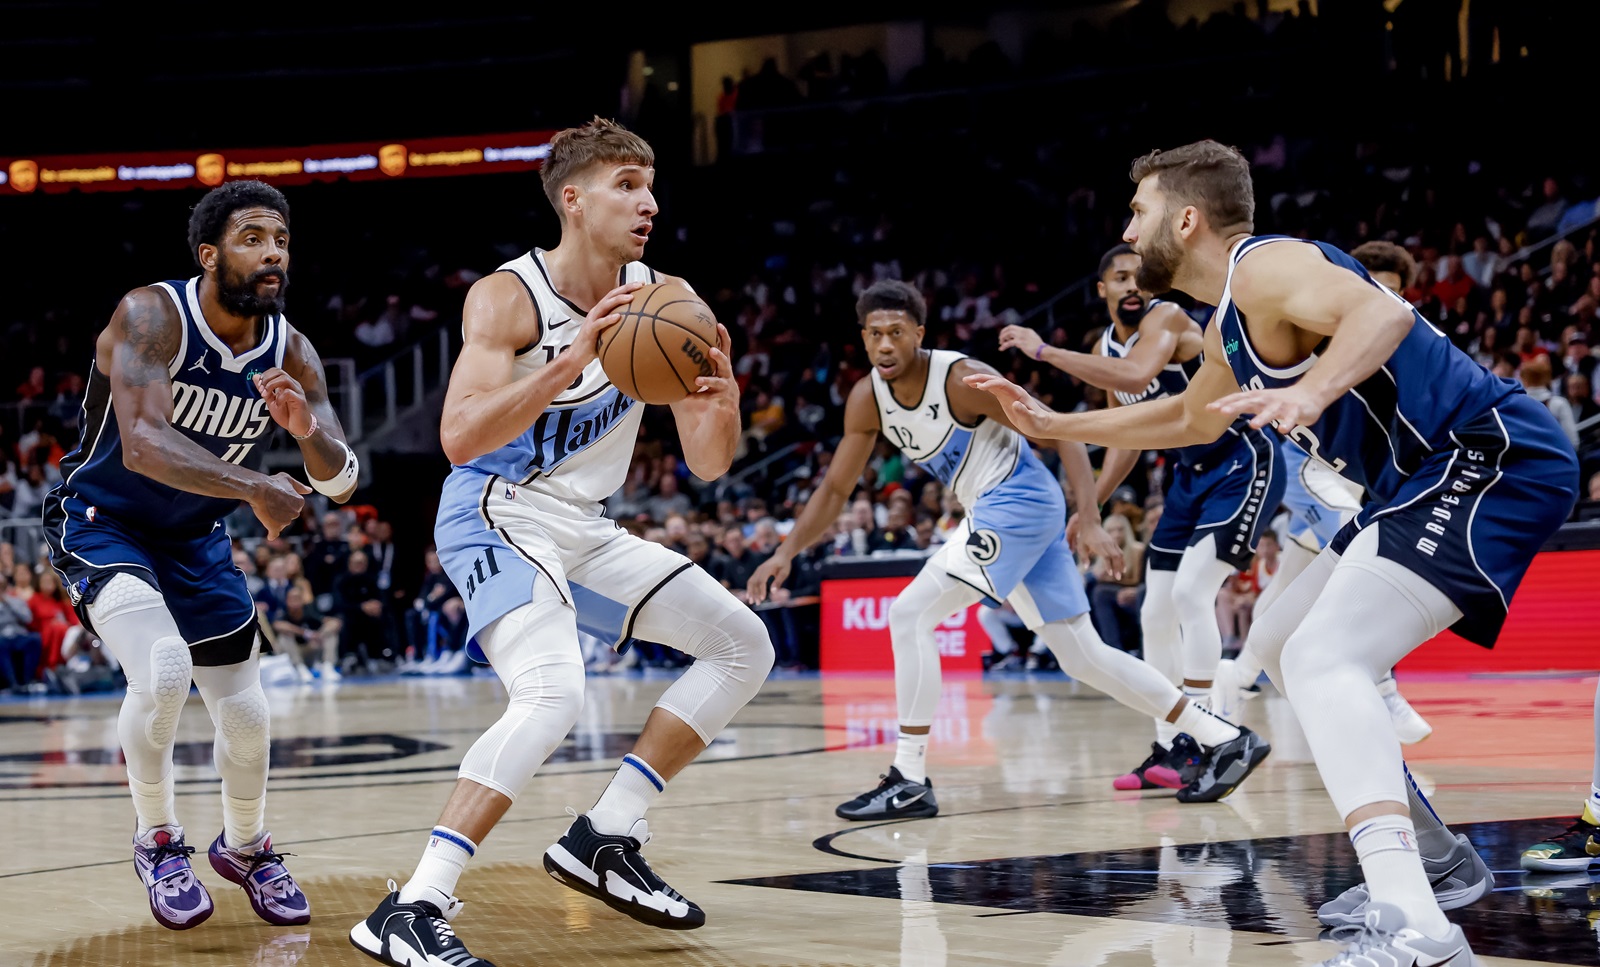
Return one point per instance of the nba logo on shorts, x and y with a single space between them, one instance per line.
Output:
983 547
77 590
511 491
88 515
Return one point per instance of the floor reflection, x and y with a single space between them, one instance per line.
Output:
1270 885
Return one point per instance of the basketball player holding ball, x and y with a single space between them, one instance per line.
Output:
538 435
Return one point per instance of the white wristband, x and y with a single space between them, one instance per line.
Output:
342 482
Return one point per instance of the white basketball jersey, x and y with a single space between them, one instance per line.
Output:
971 460
581 445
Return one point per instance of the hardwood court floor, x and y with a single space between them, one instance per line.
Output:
1034 859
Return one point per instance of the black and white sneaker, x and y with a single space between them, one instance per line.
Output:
1224 767
896 797
413 935
612 870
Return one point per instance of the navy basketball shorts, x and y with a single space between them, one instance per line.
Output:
206 595
1470 519
1232 494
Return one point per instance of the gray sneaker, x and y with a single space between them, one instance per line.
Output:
1384 940
1458 879
896 797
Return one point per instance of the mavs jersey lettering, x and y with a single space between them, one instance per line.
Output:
581 445
214 404
1172 380
971 460
1385 428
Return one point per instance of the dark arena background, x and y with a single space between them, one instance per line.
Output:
803 152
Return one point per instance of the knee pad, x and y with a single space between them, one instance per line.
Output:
245 723
171 670
555 689
120 595
732 659
545 702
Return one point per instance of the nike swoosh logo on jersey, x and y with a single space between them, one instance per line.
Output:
557 325
896 802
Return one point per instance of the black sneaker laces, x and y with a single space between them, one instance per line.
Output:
169 849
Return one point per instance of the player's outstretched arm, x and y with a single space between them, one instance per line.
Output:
486 406
1167 423
1159 334
1295 289
708 420
135 352
967 403
844 472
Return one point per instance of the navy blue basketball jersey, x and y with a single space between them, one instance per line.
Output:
214 404
1385 428
1171 380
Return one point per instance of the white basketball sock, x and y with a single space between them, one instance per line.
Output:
632 791
1591 807
1204 727
440 867
1387 848
911 756
153 802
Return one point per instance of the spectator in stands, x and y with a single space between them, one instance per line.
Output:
1481 263
275 588
362 636
633 498
668 500
8 484
247 566
302 629
56 624
1536 379
19 647
736 563
1576 359
896 534
326 559
1454 284
33 388
1580 398
1528 345
1115 599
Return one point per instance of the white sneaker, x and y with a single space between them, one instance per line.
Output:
1409 727
328 672
303 673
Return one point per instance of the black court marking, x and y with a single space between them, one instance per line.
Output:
1270 886
208 785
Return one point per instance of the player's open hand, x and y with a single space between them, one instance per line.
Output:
1021 338
286 400
278 502
605 314
720 388
1027 414
1282 409
774 569
1097 543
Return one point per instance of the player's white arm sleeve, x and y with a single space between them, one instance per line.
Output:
342 482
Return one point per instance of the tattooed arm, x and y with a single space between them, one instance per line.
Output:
135 352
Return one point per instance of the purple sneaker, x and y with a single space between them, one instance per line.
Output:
272 891
161 859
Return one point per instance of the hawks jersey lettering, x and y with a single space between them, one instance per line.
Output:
1172 379
580 446
971 460
214 404
1384 429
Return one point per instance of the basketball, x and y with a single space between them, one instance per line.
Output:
662 344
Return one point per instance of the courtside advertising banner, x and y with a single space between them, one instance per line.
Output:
350 161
